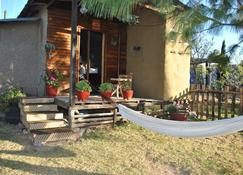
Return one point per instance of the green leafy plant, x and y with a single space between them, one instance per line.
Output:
53 78
83 86
104 87
171 108
9 97
126 85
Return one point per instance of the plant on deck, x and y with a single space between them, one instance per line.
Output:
106 87
83 86
53 78
126 85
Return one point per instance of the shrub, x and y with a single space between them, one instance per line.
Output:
83 86
171 108
9 97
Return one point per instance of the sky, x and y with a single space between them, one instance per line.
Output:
14 7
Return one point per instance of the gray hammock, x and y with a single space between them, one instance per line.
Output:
183 128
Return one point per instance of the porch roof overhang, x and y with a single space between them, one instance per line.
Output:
19 20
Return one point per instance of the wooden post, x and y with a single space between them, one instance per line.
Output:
197 99
226 101
202 100
233 105
207 101
219 104
241 100
192 93
73 53
213 104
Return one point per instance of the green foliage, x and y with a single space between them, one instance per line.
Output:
126 85
11 94
83 86
50 47
199 74
53 78
171 108
104 87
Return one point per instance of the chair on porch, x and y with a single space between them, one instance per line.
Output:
118 85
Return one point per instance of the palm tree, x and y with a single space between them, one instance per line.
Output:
190 19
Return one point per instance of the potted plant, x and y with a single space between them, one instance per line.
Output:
83 90
176 112
127 91
52 79
9 104
106 90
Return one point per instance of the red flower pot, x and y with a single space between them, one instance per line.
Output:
83 95
51 91
178 116
128 94
106 95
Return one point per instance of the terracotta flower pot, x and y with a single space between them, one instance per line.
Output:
178 116
51 91
128 94
106 95
83 95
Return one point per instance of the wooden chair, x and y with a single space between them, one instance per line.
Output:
118 86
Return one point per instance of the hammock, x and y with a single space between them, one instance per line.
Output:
183 129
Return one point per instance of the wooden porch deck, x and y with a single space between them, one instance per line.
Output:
52 119
95 111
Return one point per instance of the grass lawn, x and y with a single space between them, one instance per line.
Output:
127 149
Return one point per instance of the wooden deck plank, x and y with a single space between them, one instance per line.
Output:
40 108
32 100
46 124
34 117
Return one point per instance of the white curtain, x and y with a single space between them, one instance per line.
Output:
183 128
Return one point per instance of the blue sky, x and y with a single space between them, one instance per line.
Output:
14 7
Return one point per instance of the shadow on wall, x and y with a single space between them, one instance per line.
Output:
182 95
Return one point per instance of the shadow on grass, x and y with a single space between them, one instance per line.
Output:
13 134
42 170
47 152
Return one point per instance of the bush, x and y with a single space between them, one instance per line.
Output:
171 108
83 86
9 97
104 87
12 94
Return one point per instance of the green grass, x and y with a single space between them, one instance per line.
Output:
127 149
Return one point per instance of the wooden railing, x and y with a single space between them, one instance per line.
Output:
214 104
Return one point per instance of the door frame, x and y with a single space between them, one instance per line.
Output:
102 54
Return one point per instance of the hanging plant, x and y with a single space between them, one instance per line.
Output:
49 49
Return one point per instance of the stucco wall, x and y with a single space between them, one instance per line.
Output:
20 56
177 66
146 64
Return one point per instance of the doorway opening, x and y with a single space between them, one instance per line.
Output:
91 56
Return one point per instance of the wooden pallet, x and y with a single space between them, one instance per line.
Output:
91 115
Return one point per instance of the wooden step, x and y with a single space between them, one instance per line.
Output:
37 100
46 124
54 135
34 117
39 108
94 115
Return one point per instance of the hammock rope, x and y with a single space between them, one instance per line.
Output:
183 128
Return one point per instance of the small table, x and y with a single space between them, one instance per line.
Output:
119 85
